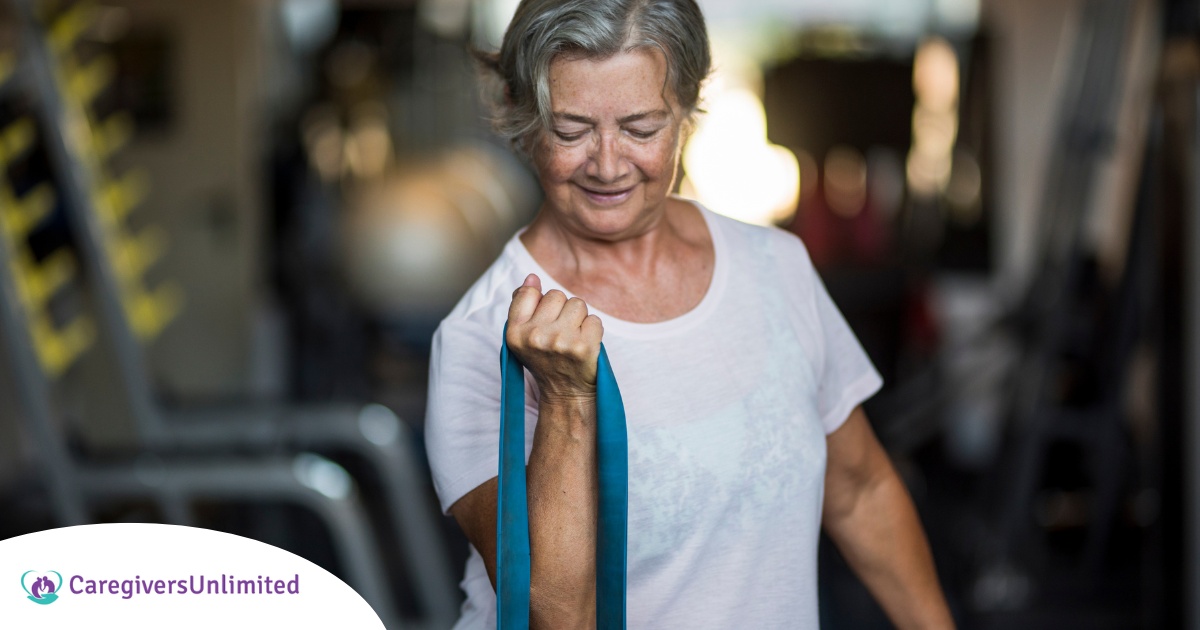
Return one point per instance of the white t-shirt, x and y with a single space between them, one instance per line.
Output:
727 407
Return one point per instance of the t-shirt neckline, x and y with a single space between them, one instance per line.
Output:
624 328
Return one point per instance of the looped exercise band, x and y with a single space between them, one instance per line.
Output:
512 526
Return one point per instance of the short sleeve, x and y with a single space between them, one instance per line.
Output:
462 415
846 376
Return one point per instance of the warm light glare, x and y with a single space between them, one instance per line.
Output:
845 181
733 169
935 117
369 143
934 132
935 75
324 141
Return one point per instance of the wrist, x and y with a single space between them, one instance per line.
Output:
566 394
570 402
572 412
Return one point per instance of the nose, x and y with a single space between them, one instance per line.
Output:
606 162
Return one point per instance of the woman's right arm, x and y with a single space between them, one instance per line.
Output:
559 343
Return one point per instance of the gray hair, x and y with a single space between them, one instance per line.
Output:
594 29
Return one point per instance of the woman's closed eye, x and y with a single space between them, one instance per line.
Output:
569 135
574 135
643 134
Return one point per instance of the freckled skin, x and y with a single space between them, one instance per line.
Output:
608 154
635 253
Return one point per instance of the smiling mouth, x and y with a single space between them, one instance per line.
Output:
607 197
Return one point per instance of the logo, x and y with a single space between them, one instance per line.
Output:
41 590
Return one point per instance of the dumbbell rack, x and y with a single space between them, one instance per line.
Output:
97 206
25 340
199 449
45 70
114 260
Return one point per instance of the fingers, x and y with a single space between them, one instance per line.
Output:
525 300
550 307
593 330
573 313
549 312
555 338
529 304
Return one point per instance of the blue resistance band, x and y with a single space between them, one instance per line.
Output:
512 525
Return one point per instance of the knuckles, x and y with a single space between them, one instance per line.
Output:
538 338
562 345
547 341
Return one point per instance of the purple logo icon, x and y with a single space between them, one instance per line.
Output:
40 588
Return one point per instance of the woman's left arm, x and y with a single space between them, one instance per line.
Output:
869 515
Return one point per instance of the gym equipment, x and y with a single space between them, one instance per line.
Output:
57 347
413 243
1064 330
76 486
1085 120
185 457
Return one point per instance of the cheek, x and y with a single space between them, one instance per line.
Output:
657 159
557 164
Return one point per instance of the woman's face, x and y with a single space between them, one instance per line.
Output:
609 160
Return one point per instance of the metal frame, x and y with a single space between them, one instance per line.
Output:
74 486
1191 380
379 439
1085 124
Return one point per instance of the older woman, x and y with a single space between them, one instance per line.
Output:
740 378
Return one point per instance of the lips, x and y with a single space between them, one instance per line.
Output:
607 197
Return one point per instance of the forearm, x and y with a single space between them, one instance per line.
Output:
561 482
881 537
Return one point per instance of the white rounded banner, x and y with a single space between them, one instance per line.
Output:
136 575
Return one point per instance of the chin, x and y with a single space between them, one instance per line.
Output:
612 221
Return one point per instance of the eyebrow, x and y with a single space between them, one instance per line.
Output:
658 113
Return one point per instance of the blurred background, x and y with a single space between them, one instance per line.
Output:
230 228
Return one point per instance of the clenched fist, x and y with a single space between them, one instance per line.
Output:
556 339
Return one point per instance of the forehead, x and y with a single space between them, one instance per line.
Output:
627 82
